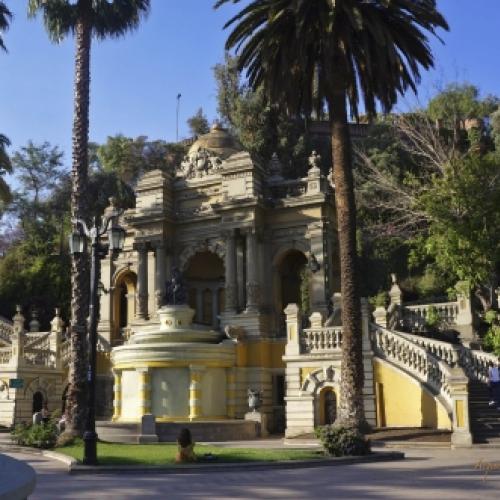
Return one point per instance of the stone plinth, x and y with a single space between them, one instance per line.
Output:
260 419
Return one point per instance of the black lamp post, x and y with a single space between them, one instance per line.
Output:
77 245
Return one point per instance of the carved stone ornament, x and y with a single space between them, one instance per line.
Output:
216 246
254 399
200 164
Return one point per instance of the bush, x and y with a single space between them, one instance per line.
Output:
37 435
341 441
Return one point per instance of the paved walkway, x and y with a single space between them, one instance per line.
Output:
436 473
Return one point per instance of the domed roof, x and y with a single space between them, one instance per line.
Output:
218 141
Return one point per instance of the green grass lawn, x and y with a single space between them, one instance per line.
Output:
164 454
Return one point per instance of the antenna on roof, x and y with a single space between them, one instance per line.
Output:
177 118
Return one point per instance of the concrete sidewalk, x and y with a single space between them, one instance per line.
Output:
455 474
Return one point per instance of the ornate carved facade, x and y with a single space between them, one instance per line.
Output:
232 227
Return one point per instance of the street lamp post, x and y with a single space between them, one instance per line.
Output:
116 238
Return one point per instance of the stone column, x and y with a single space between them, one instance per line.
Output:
195 374
293 329
142 280
318 279
117 398
144 391
215 307
253 288
18 338
160 272
231 392
231 278
199 305
56 329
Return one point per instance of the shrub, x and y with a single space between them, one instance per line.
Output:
37 435
339 441
432 318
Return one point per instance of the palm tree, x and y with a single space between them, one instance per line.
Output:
317 55
85 19
5 165
5 17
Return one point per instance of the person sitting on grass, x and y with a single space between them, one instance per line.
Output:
185 447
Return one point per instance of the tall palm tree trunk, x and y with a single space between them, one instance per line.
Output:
351 409
76 399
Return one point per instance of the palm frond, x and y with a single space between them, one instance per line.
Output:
379 48
108 18
5 17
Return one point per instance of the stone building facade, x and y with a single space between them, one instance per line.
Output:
247 241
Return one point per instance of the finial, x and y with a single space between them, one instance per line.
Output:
275 167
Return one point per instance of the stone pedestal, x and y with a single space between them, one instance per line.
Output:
148 429
260 419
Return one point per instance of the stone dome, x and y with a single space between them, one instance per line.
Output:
218 141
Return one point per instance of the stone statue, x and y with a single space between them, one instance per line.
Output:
199 164
175 290
254 399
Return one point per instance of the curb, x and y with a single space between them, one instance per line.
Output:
60 457
411 444
76 468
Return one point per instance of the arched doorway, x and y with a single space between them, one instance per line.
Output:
291 285
328 406
204 277
123 304
37 402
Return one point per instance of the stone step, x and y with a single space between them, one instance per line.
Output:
220 430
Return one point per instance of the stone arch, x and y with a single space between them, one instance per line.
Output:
39 384
205 280
316 384
215 246
287 280
124 289
328 376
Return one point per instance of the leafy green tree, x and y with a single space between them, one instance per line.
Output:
198 123
5 17
323 54
84 19
129 158
464 221
38 169
458 102
262 129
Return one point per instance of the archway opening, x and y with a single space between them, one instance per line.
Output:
37 402
292 285
328 406
205 282
123 305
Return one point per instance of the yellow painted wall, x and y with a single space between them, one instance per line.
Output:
402 402
263 353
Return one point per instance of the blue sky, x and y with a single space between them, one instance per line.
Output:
135 80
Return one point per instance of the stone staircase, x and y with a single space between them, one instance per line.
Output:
485 421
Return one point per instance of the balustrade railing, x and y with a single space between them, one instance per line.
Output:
5 355
288 188
476 364
449 353
65 352
40 340
415 359
39 357
321 340
6 330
